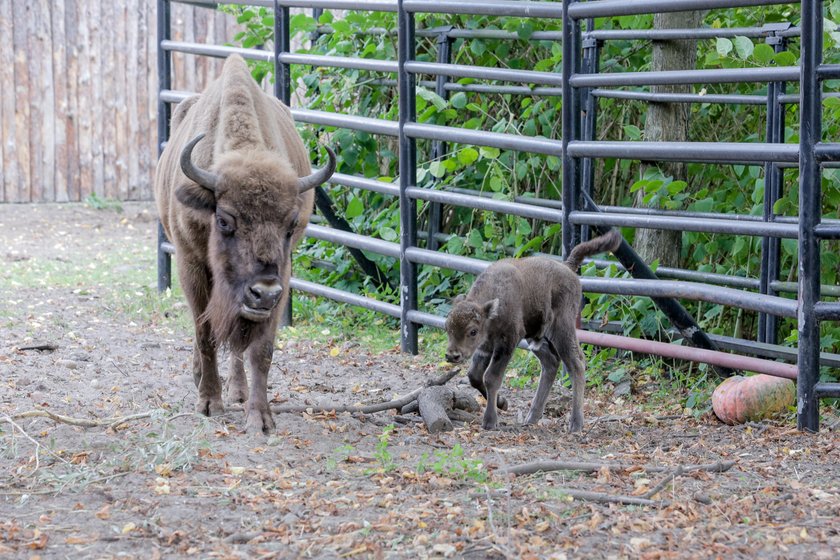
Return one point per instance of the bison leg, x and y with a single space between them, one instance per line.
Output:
571 354
209 385
493 377
236 389
478 365
550 362
258 414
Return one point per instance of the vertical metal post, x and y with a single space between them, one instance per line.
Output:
282 91
773 176
164 70
282 44
571 124
444 55
591 54
810 132
408 177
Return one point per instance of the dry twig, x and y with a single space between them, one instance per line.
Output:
82 422
662 483
607 498
371 408
547 466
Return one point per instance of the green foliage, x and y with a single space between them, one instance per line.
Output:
96 202
452 464
383 455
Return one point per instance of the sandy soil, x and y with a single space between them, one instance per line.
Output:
170 484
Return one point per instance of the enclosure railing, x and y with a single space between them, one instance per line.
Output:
582 83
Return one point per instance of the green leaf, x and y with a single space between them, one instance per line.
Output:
467 156
430 96
459 100
633 132
355 208
475 240
785 58
744 47
489 152
477 47
388 233
723 46
763 53
437 169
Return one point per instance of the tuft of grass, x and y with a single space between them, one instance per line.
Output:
96 202
453 464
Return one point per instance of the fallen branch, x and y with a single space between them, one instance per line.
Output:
547 466
82 422
664 482
601 497
367 409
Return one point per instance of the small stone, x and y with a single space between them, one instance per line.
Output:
69 364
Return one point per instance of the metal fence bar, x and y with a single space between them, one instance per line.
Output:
692 33
484 73
675 77
604 8
482 138
345 297
703 152
673 223
773 179
164 114
515 8
408 174
483 203
810 176
655 97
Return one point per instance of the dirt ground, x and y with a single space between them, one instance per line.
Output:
170 484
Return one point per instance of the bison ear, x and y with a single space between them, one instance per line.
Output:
491 308
196 197
458 299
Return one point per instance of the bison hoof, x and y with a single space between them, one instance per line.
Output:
502 403
236 392
490 422
575 424
259 421
210 406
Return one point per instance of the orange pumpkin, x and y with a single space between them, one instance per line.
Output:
741 399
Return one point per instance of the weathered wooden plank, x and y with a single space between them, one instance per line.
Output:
42 139
86 68
133 54
102 114
109 95
8 159
20 13
149 152
70 71
120 53
62 127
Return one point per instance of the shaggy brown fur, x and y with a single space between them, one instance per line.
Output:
234 240
535 298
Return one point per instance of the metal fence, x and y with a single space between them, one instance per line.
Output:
581 86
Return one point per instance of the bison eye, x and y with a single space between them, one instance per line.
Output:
473 332
225 224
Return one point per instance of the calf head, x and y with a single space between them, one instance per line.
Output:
253 197
467 325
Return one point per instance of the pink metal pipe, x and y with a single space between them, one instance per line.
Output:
691 353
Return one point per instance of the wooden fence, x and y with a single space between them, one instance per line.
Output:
78 94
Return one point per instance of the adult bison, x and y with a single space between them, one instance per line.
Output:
234 193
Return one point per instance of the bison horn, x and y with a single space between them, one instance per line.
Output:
319 176
201 176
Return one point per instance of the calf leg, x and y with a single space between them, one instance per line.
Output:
206 373
237 384
257 412
493 377
478 365
573 358
549 362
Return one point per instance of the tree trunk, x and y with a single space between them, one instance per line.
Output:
668 122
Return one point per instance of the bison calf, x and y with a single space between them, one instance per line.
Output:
535 298
234 194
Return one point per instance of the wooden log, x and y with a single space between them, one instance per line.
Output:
465 400
411 407
435 404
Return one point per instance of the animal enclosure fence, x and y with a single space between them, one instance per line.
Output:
582 85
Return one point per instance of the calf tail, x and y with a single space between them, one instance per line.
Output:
610 241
